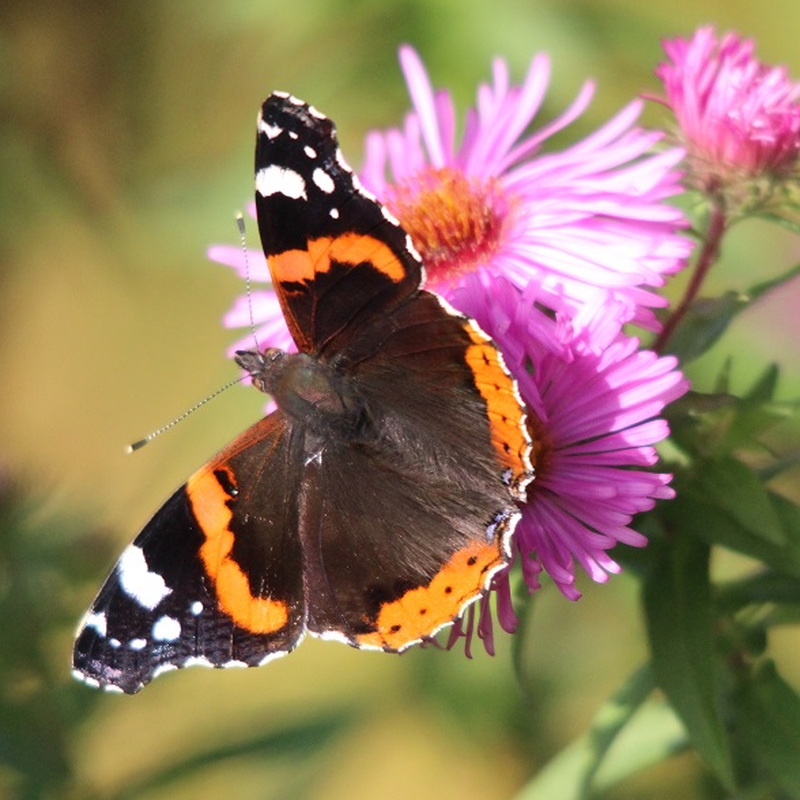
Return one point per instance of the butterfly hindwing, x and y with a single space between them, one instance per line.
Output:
411 523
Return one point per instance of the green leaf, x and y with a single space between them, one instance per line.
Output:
651 736
750 421
769 720
704 323
718 424
760 289
738 491
677 600
722 385
778 466
709 317
612 717
765 587
789 515
693 515
781 217
763 389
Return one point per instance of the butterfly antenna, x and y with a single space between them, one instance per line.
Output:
247 282
138 445
132 448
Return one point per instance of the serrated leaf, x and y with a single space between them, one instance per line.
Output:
709 317
768 717
738 491
677 600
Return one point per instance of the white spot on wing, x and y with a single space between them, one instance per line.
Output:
334 212
454 313
333 636
359 187
271 657
310 151
323 181
234 664
110 687
162 668
197 661
278 653
280 180
98 621
196 608
145 587
376 648
137 644
93 682
270 131
340 160
166 629
411 249
389 217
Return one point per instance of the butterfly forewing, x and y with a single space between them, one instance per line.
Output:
206 582
337 257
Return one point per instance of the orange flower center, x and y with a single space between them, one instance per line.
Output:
455 222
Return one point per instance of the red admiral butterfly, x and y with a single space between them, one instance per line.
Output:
376 503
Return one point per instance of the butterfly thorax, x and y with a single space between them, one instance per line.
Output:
308 390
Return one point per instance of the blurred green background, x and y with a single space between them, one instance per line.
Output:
126 145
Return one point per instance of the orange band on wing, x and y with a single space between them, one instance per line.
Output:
420 612
209 504
506 415
291 266
349 248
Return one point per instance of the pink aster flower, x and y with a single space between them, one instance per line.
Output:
261 307
594 400
590 223
738 117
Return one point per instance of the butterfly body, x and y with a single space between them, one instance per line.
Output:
375 504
